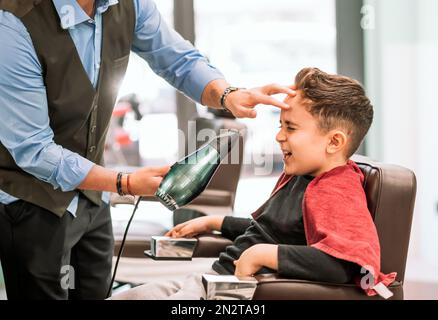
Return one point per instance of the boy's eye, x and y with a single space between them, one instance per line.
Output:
287 128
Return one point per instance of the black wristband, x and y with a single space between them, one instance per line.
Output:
119 184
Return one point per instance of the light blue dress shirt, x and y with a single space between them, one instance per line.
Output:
24 122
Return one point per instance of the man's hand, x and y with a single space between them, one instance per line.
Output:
196 226
256 257
145 182
242 102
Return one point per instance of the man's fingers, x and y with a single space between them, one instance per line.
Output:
159 171
244 112
155 182
250 113
268 100
162 171
277 89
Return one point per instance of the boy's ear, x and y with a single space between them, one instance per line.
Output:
337 141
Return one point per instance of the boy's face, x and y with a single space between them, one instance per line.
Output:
301 141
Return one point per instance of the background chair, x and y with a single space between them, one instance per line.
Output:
221 192
217 199
390 192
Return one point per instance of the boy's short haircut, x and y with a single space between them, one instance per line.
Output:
337 102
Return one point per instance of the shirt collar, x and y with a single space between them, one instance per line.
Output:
71 14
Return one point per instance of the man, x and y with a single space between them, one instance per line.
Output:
61 63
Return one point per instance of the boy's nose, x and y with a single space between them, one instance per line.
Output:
280 136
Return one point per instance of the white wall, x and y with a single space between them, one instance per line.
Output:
402 80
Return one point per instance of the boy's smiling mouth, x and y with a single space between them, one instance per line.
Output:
286 154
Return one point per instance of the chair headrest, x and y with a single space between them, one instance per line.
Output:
390 192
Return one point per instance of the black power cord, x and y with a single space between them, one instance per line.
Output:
122 245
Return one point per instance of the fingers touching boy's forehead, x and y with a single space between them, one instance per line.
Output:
289 99
292 102
286 115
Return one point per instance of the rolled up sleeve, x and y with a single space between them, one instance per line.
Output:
24 122
169 55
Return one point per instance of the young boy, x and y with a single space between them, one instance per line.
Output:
316 225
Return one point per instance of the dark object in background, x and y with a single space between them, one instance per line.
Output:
120 149
132 102
221 113
185 214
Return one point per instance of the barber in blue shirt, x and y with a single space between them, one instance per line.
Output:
37 240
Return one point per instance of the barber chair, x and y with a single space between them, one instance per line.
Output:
390 192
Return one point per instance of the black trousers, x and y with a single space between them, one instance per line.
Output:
47 257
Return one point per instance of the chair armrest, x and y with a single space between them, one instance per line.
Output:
210 246
212 197
138 239
273 287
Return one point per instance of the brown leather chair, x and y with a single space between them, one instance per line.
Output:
390 194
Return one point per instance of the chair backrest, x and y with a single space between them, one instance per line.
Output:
390 192
227 176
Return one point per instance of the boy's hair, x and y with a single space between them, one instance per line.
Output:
337 101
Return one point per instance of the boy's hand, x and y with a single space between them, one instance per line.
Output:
196 226
256 257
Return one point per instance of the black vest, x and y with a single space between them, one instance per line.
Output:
79 114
